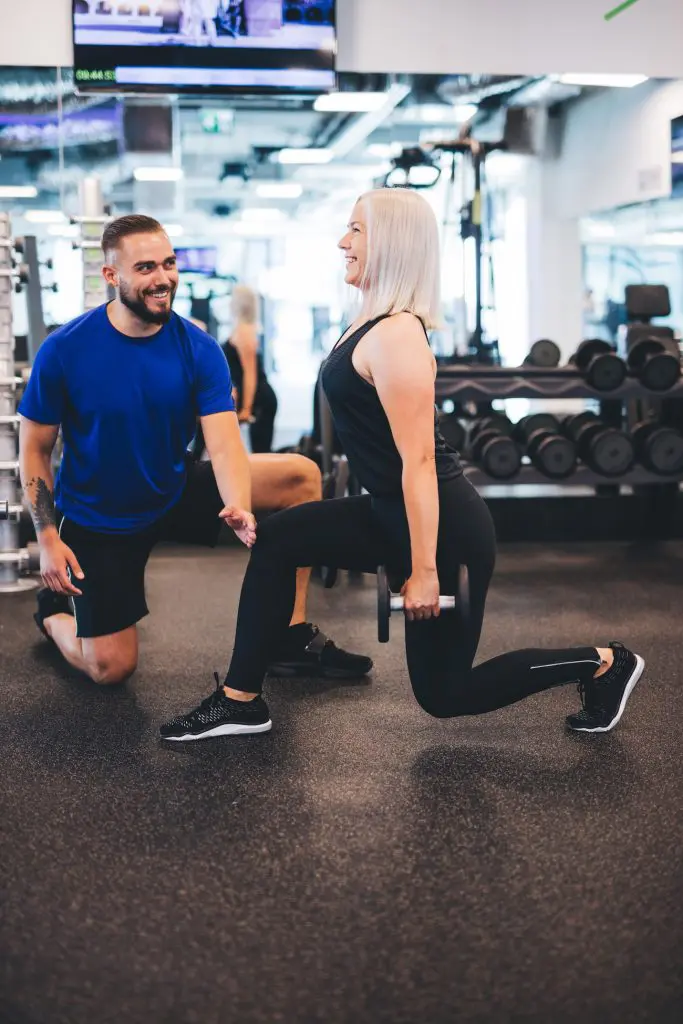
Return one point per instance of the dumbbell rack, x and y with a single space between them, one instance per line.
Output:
13 560
487 384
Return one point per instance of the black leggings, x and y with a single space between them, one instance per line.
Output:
265 410
362 533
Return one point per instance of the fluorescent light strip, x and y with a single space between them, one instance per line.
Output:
304 156
278 190
364 126
18 192
45 217
349 102
608 81
158 173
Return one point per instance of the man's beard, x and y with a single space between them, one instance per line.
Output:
139 308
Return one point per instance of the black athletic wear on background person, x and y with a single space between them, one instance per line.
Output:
363 532
264 408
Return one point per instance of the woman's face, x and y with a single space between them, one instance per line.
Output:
354 246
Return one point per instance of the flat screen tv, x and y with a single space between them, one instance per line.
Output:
201 46
677 156
196 259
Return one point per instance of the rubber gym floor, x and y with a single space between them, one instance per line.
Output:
362 862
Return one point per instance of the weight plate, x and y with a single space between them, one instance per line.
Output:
665 451
500 457
587 351
661 371
606 372
584 435
536 421
383 605
555 457
544 353
452 431
611 453
637 356
571 424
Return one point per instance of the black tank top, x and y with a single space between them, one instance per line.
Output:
363 426
235 366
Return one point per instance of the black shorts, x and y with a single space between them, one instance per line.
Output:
113 595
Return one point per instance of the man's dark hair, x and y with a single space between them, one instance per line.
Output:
131 224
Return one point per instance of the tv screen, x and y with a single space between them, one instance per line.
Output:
197 260
677 156
204 45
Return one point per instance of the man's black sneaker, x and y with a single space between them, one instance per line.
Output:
219 715
49 604
308 652
604 699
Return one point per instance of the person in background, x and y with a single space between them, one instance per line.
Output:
256 401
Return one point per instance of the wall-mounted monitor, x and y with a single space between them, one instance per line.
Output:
198 259
677 156
199 46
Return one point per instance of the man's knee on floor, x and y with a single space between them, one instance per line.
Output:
110 671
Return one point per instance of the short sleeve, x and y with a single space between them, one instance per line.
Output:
214 384
44 399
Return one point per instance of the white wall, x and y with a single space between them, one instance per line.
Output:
616 148
435 36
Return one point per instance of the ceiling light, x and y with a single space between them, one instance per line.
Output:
64 230
261 214
304 156
18 192
173 230
279 190
597 230
608 81
158 173
45 217
674 238
349 102
363 127
384 150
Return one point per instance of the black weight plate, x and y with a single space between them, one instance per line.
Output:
535 440
606 372
665 451
584 435
500 457
481 440
571 424
660 372
383 605
497 422
544 353
611 453
452 431
555 457
536 421
639 436
588 349
637 356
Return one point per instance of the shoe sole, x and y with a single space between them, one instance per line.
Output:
221 730
635 676
289 671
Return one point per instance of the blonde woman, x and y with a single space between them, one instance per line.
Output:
421 517
256 401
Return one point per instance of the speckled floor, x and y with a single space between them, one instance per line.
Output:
362 863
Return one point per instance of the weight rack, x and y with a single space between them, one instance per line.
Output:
480 385
14 561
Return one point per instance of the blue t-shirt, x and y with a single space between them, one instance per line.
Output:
127 408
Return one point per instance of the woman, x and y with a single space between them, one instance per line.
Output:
421 517
256 401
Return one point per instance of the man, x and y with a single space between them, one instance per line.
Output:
126 383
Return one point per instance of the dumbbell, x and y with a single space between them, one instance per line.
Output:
452 430
599 364
458 606
544 354
605 449
550 452
659 448
492 447
656 366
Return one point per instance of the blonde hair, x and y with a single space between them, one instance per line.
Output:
402 271
244 304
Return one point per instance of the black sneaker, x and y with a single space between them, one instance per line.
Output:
49 604
604 699
308 652
218 715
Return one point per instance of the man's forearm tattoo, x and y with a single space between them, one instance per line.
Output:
42 503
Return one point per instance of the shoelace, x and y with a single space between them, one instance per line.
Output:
214 697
